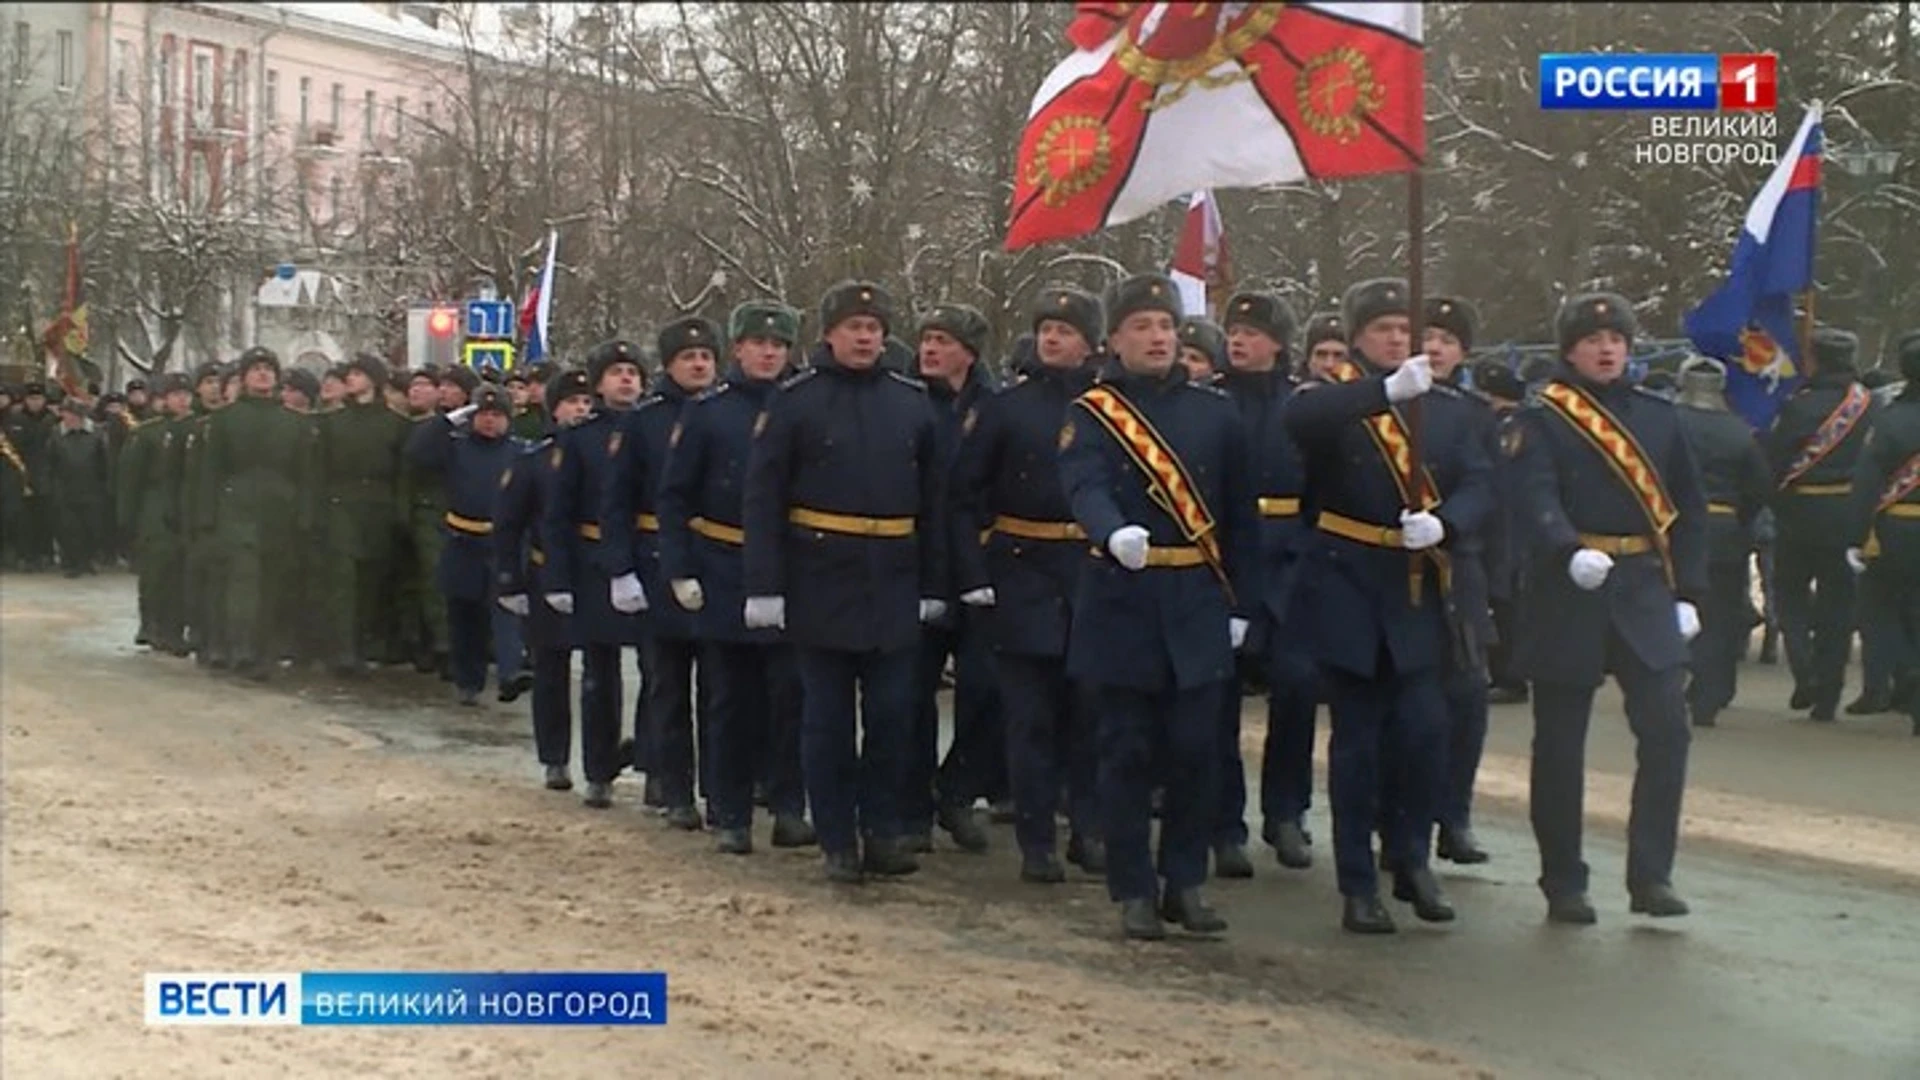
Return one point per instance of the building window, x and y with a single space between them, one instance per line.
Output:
164 72
306 100
202 101
22 51
336 191
339 106
272 91
63 58
123 70
199 183
399 118
367 113
236 96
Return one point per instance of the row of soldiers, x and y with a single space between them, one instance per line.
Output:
58 459
1093 546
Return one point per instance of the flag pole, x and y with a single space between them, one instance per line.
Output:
1806 331
1416 304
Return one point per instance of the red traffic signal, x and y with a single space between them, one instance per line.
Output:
441 322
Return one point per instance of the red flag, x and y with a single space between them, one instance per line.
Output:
1178 97
66 336
1200 266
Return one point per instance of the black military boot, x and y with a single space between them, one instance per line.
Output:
791 831
1088 854
1571 909
652 796
1365 915
843 868
733 842
1140 922
1291 846
1659 901
1041 868
1507 695
960 823
890 858
1802 698
557 778
685 817
514 687
762 796
1870 704
1460 846
1188 908
1418 887
599 795
1230 861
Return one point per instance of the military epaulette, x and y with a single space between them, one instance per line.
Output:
798 377
1655 395
1207 388
907 380
537 445
712 392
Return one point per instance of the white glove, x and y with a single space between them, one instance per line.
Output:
515 604
462 414
766 613
688 594
1420 530
561 602
1414 377
1237 632
1589 568
627 595
932 609
1129 546
1856 560
980 597
1689 618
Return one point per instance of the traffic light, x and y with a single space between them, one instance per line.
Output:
433 336
441 323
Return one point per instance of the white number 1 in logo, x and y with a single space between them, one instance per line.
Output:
1748 76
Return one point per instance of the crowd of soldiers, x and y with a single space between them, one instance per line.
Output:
1154 507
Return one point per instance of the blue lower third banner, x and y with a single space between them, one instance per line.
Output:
383 998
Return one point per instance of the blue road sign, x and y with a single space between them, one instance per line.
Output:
490 318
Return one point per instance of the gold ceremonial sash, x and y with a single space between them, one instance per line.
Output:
1168 484
1831 433
13 458
1390 437
1624 455
1905 481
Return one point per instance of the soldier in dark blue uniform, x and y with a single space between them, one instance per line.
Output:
1157 470
1815 442
470 450
575 583
1006 487
630 556
1500 387
1374 591
753 712
846 545
953 346
1203 349
1259 328
520 572
1616 523
1735 480
1884 532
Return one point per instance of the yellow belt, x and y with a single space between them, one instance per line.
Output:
589 530
470 526
646 522
1168 556
1841 488
1381 536
714 530
1618 545
1903 510
1279 506
1026 529
1723 509
850 524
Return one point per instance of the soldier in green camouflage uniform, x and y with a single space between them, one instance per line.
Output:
356 469
147 503
201 565
256 457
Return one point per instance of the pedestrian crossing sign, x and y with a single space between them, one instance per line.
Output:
488 355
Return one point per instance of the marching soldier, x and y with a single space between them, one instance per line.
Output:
753 715
78 478
1326 344
670 744
1814 445
1503 391
423 612
846 541
953 345
16 484
1735 481
1156 470
200 589
148 503
1885 529
470 450
1259 327
30 428
575 583
1617 527
1375 583
520 578
1022 580
1203 349
358 459
529 415
256 459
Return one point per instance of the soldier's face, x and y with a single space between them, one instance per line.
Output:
1249 349
332 390
760 358
857 341
1198 364
1444 350
620 384
942 357
295 399
422 394
490 423
1061 344
36 402
517 391
1147 342
1325 356
178 402
258 380
1600 357
137 398
209 391
571 408
692 370
452 395
229 390
1387 340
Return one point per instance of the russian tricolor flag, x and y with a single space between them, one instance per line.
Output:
533 313
1749 322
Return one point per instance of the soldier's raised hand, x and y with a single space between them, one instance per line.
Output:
1128 545
1414 377
1589 568
462 414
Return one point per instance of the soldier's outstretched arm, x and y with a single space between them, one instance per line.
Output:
680 491
764 515
1318 412
1543 514
1087 472
1689 537
619 499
